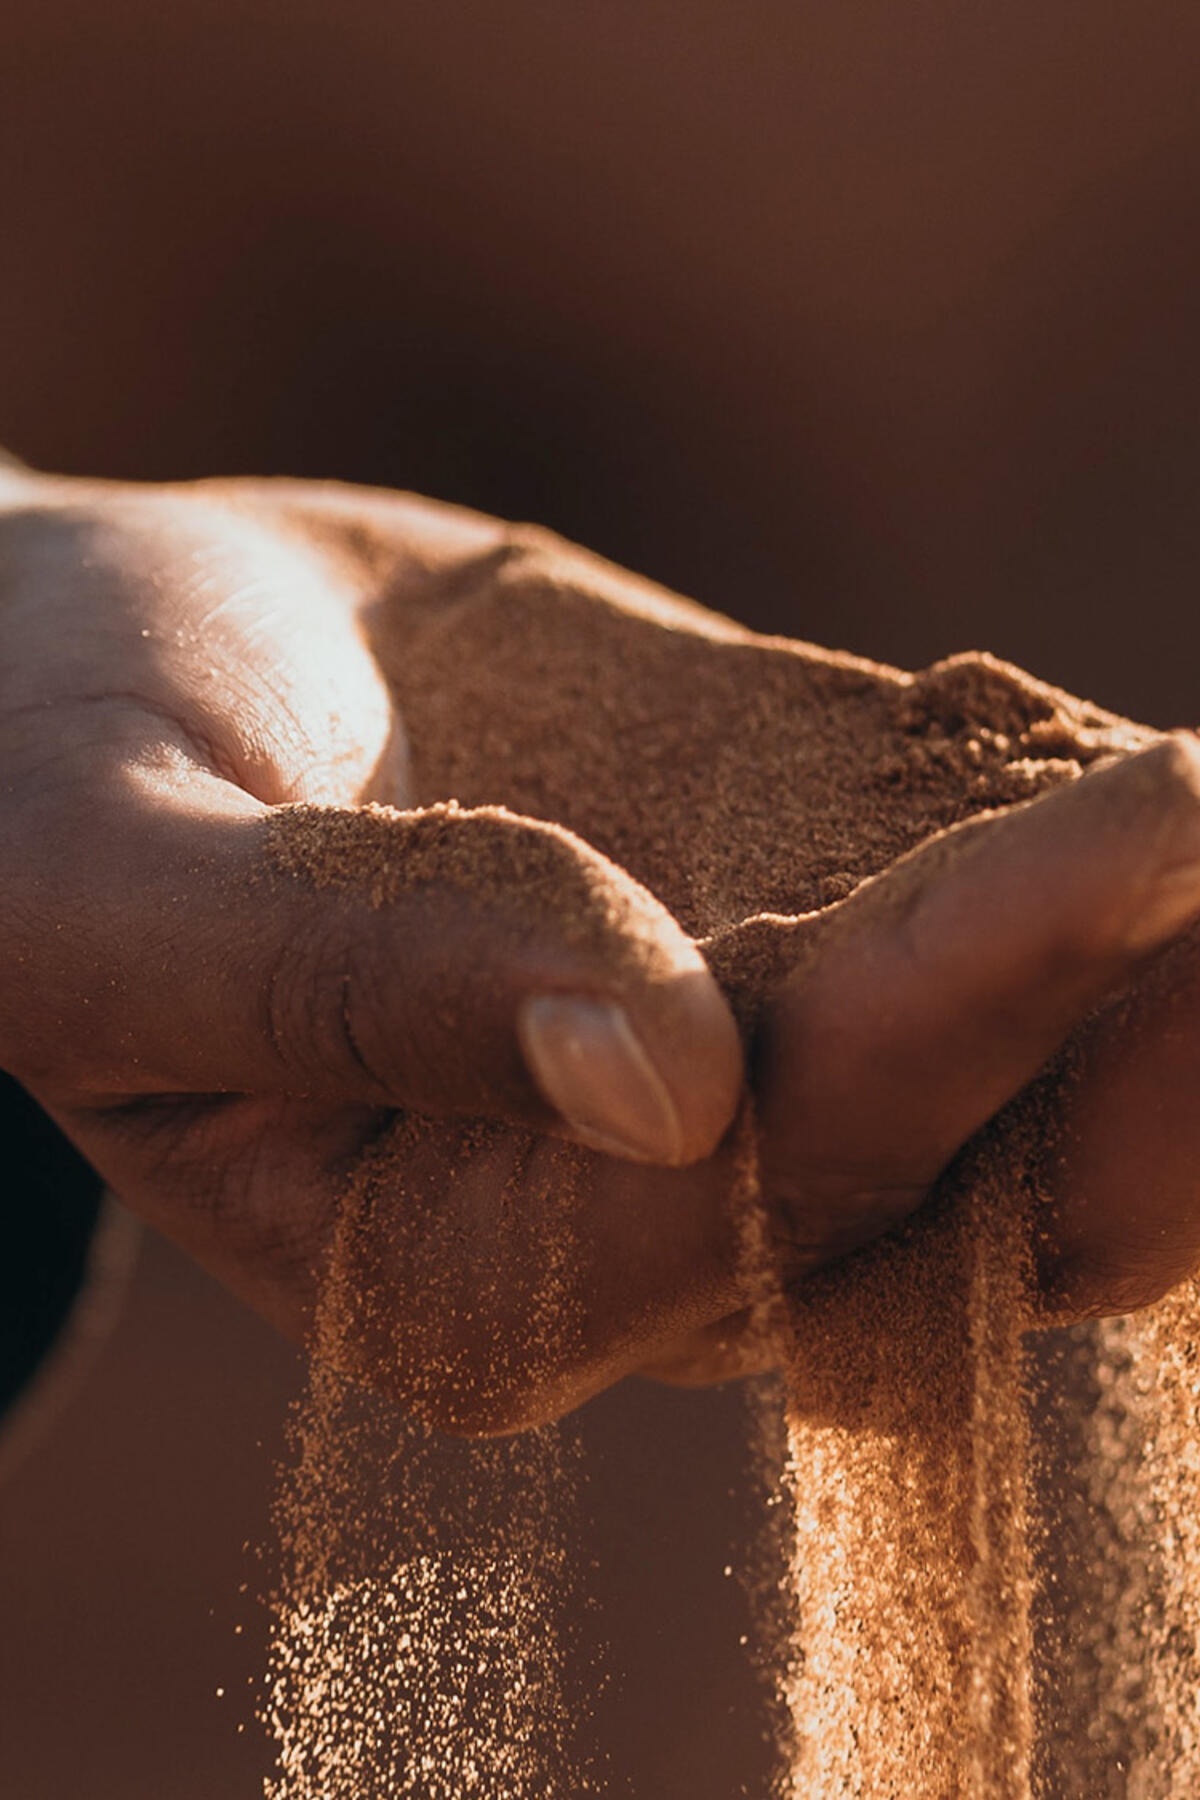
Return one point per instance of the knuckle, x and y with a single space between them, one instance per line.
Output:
819 1214
1102 1283
312 1003
534 544
1177 762
531 558
378 1025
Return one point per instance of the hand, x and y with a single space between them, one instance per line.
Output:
224 1039
220 1038
935 994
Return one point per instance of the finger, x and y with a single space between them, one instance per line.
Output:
1120 1223
539 1274
490 1279
730 1349
443 961
939 990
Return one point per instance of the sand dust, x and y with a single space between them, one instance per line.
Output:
419 1643
736 777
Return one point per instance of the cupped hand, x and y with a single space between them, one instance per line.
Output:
1050 940
222 1037
225 1038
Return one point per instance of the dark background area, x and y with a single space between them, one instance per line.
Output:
872 322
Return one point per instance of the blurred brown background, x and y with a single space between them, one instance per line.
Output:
869 322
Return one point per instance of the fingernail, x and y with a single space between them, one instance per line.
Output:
588 1063
1172 904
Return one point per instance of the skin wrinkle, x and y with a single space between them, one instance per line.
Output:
306 1007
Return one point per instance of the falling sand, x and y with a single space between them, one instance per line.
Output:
418 1646
988 1596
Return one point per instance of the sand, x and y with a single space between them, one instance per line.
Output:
746 783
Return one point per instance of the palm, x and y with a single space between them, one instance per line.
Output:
212 656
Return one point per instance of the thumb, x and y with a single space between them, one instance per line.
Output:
939 990
441 960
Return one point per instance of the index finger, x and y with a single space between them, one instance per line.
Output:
940 989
